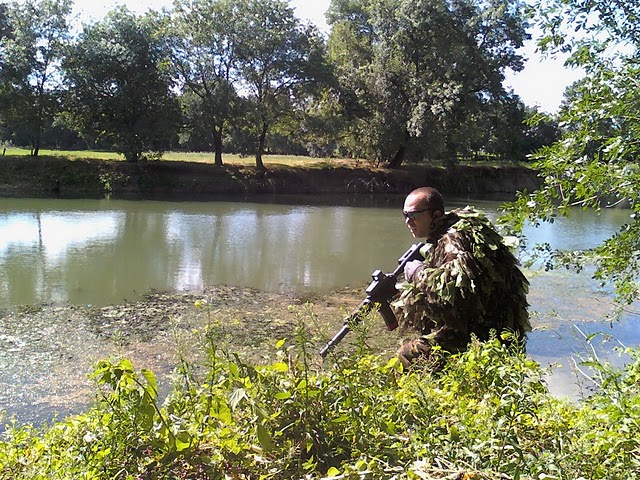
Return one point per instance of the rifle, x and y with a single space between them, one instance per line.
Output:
379 293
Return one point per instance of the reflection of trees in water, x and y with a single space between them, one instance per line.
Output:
39 220
109 251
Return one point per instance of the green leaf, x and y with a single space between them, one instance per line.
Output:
183 441
264 437
126 365
151 380
332 472
233 370
280 367
221 411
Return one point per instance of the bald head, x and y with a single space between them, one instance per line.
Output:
422 208
427 197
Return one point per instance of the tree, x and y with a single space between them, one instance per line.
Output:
202 44
414 72
5 34
280 61
509 131
540 130
35 34
596 163
5 28
119 86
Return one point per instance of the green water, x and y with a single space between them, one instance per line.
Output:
103 251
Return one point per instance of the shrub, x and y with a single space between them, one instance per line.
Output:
486 415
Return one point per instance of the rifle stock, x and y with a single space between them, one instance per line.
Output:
378 294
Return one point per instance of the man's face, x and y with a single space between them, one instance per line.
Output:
419 217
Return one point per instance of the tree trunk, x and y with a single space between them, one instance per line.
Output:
35 148
398 158
259 163
131 156
261 142
217 147
451 153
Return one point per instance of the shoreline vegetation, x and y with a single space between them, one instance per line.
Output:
487 416
210 410
173 178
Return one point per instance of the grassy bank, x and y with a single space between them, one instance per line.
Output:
185 176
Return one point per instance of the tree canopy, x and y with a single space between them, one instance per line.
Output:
415 75
202 40
34 35
280 61
5 28
118 87
396 81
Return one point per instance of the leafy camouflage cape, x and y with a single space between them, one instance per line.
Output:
470 284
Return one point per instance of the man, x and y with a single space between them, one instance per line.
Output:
468 284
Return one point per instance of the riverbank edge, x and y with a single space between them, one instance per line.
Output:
52 177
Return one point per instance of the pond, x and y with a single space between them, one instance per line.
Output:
101 252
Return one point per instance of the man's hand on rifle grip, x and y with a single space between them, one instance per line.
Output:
412 268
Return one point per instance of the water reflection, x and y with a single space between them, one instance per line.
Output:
101 252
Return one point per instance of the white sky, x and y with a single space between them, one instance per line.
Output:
541 83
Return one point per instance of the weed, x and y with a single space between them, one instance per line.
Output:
486 415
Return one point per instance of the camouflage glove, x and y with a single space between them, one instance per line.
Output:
412 268
413 350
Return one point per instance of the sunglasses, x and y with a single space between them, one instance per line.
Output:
415 214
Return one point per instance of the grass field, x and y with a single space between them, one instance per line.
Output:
196 157
249 161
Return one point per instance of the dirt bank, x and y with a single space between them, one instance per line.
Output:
163 180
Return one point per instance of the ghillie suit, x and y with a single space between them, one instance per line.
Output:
470 285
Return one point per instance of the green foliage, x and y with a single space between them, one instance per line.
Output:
595 163
423 78
202 44
5 28
281 63
487 415
414 79
119 88
33 35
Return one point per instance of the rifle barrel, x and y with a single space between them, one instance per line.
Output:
377 291
363 309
